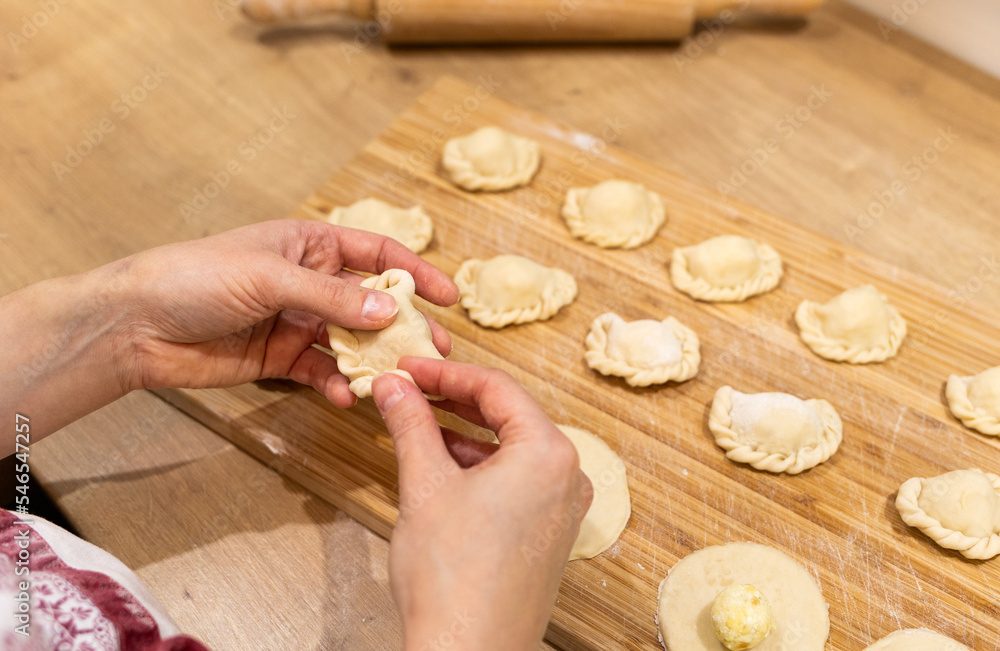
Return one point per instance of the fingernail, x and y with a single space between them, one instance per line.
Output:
389 398
378 306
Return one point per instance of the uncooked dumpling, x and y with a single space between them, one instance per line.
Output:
684 610
776 432
511 289
363 355
410 226
609 512
916 639
644 352
490 159
975 400
957 510
858 326
728 268
613 214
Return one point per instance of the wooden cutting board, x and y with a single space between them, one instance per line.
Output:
877 574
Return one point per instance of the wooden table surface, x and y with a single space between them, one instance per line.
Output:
822 117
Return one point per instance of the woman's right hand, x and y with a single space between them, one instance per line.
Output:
484 531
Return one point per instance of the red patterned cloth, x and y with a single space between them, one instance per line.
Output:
73 606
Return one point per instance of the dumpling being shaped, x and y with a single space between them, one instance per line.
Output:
490 159
776 432
958 510
363 355
727 268
975 400
858 326
512 289
410 226
916 639
614 213
644 352
612 505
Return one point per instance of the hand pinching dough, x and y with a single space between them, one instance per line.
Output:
490 159
612 506
613 214
410 226
858 326
916 639
728 268
975 400
363 355
776 432
643 352
957 510
511 289
799 617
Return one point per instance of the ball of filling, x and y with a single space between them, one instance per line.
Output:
742 617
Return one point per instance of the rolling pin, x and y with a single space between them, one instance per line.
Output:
512 21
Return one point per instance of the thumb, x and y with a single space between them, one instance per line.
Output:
338 301
420 449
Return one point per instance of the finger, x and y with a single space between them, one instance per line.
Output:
374 253
440 336
319 370
338 301
500 399
415 433
465 450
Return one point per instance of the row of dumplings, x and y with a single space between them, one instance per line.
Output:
770 431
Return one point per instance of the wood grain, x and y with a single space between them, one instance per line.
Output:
838 519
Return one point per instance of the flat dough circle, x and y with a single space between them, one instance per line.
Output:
975 400
490 159
958 510
728 268
612 506
684 611
776 432
512 289
614 214
363 355
644 352
858 326
916 639
410 226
